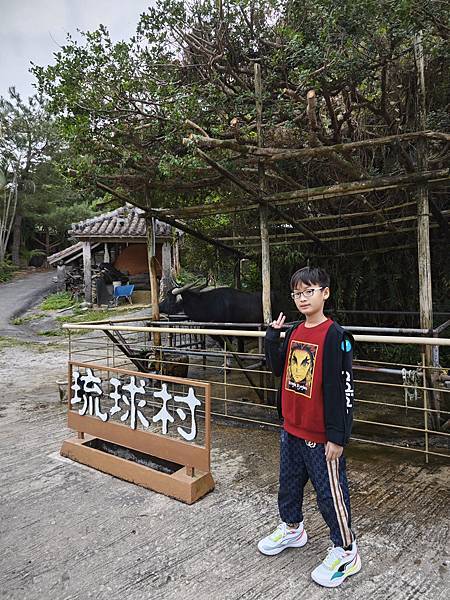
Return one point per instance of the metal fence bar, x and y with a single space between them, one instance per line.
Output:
139 338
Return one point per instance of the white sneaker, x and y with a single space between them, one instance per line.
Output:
283 537
337 566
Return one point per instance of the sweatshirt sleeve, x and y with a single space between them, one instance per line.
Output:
338 387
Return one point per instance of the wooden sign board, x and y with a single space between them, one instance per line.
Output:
149 429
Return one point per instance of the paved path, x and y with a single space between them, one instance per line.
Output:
18 296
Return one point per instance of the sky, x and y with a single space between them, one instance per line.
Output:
32 30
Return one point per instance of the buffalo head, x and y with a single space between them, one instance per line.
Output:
172 303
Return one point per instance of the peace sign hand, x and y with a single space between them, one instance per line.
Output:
278 323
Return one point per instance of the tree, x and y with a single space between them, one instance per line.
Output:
38 203
333 71
28 138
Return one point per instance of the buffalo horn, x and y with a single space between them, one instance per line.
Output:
180 290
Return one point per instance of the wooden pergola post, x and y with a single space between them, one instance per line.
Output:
151 254
87 272
263 209
166 268
176 256
423 229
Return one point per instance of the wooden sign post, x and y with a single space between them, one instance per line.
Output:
141 427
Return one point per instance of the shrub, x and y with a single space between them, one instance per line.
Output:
6 270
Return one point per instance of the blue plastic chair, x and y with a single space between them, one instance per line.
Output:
123 291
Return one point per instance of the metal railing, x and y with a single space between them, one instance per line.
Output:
397 405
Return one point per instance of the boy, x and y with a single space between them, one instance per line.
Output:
315 400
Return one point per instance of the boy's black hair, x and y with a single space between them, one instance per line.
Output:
310 276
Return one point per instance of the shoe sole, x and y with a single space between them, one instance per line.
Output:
272 552
331 584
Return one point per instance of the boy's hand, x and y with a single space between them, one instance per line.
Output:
333 451
278 323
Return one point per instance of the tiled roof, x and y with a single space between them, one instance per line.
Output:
124 222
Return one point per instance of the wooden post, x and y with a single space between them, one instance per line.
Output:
423 225
151 251
237 274
152 272
87 272
61 277
106 256
263 210
166 275
176 256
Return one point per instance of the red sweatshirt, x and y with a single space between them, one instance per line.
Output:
302 393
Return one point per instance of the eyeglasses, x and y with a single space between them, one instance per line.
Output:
306 293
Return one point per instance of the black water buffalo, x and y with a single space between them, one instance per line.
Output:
218 305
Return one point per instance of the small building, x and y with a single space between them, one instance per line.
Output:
119 238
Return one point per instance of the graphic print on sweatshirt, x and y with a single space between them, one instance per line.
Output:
300 367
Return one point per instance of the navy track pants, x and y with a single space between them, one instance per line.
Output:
301 461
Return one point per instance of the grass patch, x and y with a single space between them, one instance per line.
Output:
53 332
22 320
57 301
104 314
87 315
9 342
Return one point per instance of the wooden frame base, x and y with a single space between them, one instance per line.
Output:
180 484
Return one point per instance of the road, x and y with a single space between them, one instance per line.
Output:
19 295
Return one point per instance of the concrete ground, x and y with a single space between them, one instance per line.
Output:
68 532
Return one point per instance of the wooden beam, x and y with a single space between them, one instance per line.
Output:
356 187
344 228
175 223
201 236
275 154
329 192
339 237
372 251
258 195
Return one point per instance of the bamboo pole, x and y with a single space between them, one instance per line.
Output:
263 209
